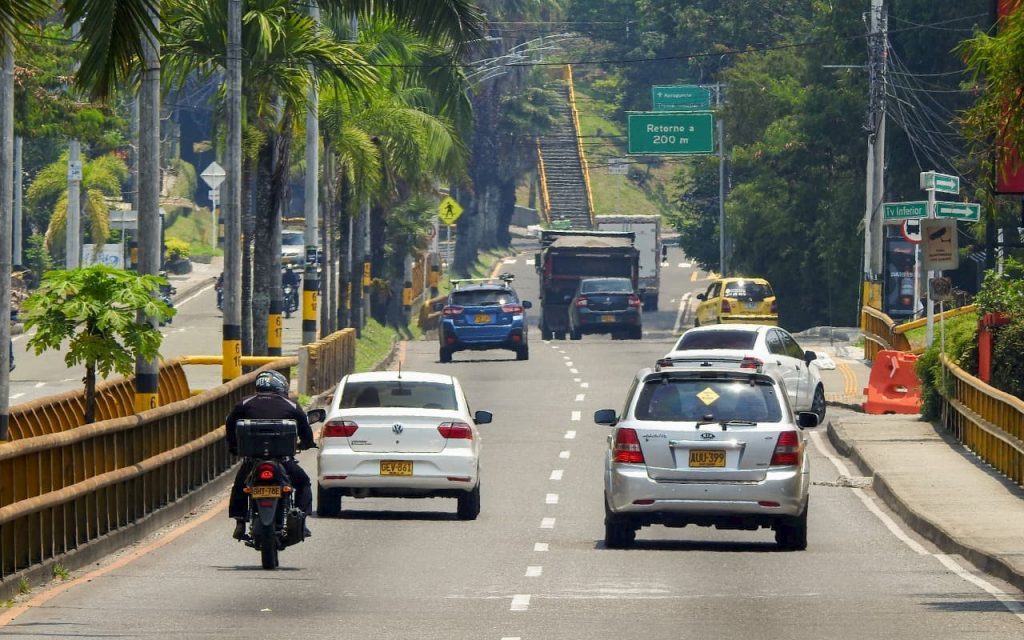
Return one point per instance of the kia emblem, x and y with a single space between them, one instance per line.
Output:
707 435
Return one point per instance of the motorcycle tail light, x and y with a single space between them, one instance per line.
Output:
265 472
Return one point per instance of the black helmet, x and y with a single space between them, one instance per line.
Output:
272 382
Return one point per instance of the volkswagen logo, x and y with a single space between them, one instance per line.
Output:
707 435
397 428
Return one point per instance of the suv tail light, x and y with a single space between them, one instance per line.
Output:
750 362
726 307
452 311
627 447
265 472
581 301
455 430
788 449
339 428
664 362
775 307
634 300
512 308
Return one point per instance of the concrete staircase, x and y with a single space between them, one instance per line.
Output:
563 169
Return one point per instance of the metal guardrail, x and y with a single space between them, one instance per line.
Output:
882 333
579 144
62 490
986 420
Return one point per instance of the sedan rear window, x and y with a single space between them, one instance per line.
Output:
482 297
717 399
694 340
398 394
743 290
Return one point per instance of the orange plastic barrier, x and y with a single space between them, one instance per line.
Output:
893 386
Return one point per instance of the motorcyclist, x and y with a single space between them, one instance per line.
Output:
219 287
268 403
291 278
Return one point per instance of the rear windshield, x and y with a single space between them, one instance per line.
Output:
293 239
695 340
393 393
717 399
607 285
746 290
482 297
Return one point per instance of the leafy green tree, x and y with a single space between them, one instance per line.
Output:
90 314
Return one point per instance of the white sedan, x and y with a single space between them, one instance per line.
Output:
755 347
400 434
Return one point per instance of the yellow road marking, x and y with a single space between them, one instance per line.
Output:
693 276
849 379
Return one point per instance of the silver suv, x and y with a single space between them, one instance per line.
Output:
706 446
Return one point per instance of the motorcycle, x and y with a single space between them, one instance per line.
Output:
291 300
166 291
274 522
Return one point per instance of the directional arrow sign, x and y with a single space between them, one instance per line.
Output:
680 98
904 210
958 211
931 181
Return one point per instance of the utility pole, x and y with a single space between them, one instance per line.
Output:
6 200
722 258
72 248
878 42
311 208
18 231
231 365
147 372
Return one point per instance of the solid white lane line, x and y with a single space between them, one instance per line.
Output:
41 384
16 396
580 397
534 571
540 546
511 638
1012 603
551 498
564 455
520 602
684 302
584 385
576 415
889 523
547 523
570 435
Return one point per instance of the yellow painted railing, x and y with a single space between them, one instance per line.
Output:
882 333
986 420
584 167
545 201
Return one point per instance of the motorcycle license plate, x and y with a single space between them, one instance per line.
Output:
266 492
396 467
707 457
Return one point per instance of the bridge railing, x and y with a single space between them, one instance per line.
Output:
579 143
542 178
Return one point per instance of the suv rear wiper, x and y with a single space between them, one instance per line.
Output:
725 424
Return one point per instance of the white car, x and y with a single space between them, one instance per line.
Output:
752 346
400 434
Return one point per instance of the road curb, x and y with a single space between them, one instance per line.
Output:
932 531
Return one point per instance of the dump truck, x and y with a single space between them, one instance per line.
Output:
648 242
568 256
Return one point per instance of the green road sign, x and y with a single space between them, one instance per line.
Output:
931 181
681 98
671 133
958 211
904 210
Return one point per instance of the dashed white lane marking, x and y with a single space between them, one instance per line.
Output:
547 523
556 474
684 302
1012 603
570 435
509 261
566 358
584 385
576 379
16 396
564 455
511 638
685 265
540 546
569 363
573 371
576 415
66 380
551 498
520 602
534 571
41 384
580 397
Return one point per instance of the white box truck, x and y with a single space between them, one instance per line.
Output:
647 229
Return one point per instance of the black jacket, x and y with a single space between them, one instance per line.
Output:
269 406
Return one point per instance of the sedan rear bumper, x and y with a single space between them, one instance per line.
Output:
435 472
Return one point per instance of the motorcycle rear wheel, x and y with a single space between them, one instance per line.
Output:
269 554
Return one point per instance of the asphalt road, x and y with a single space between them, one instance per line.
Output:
534 566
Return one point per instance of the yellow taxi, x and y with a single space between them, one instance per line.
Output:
729 300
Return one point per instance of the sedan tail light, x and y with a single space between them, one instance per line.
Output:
452 311
455 430
750 362
581 302
634 300
339 428
775 307
627 447
788 449
726 307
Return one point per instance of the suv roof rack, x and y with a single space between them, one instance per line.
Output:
505 278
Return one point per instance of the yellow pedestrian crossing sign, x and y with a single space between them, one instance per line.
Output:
449 210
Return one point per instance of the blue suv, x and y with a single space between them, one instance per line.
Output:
483 314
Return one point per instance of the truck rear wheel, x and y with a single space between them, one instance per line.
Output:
651 302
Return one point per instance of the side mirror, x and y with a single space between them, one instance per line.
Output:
527 304
437 307
810 356
607 416
316 415
807 420
485 417
701 296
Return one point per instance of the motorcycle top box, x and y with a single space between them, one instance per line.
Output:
266 438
